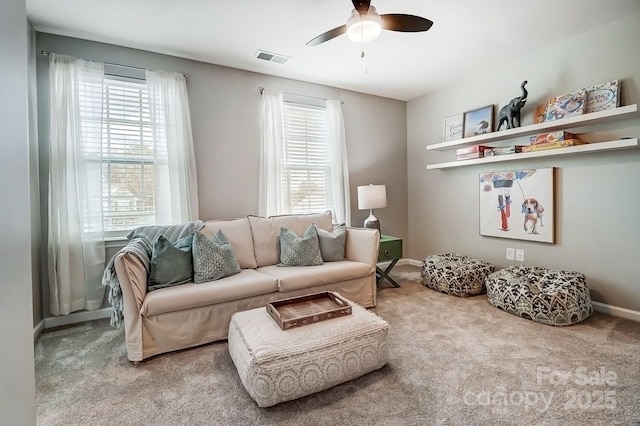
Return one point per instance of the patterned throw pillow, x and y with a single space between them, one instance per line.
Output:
300 251
171 264
332 243
213 258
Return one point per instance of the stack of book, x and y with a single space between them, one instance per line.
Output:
475 151
552 140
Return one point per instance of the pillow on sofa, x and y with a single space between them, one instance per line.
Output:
171 264
300 251
332 243
265 232
213 258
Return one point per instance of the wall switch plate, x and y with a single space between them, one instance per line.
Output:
520 255
511 253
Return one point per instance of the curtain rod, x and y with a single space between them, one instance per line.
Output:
46 53
261 89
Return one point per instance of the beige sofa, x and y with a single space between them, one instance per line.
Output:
191 314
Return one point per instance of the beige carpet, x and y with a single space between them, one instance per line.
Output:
452 362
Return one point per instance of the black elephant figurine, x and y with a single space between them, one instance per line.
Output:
510 113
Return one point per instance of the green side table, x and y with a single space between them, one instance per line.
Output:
390 250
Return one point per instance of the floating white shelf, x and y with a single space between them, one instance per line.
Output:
579 149
547 126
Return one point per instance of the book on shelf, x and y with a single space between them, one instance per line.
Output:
504 150
470 155
604 96
553 145
565 106
550 137
471 149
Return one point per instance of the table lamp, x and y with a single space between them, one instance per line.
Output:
372 197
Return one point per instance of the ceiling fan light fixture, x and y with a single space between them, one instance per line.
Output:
362 28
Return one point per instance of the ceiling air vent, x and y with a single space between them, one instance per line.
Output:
271 57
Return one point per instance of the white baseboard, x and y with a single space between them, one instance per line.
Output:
77 317
402 262
410 262
616 311
38 329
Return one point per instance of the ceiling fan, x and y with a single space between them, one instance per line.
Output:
365 24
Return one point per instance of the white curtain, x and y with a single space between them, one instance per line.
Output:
176 187
339 165
270 198
75 235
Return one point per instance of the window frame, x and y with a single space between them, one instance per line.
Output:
323 161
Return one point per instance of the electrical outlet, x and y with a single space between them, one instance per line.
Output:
520 255
511 253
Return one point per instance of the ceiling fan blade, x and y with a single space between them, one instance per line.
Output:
328 35
405 23
361 6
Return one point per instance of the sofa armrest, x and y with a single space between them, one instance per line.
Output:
362 245
132 275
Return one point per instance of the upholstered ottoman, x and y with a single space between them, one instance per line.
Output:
455 274
276 365
539 294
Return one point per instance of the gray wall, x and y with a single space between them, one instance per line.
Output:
597 197
17 392
225 106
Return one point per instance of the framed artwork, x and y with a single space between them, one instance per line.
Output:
452 128
518 204
478 121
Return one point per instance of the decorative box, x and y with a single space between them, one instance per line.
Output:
553 145
603 96
550 137
565 106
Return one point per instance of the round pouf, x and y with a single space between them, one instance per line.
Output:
541 295
455 274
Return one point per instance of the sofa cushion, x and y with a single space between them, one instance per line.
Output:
300 251
298 277
213 258
238 231
170 264
332 243
247 283
265 232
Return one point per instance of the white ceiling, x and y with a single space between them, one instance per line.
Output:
466 34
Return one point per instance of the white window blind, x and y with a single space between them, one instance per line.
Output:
306 171
128 152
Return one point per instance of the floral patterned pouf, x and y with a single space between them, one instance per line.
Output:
455 274
540 294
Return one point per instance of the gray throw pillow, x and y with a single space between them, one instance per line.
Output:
332 243
300 251
171 264
213 258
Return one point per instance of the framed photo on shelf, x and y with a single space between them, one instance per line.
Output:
477 121
452 128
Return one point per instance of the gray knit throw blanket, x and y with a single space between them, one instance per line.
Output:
141 242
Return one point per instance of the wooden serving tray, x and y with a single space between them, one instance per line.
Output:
309 309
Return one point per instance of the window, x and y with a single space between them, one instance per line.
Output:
127 155
306 169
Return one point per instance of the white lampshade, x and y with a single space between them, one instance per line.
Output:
365 27
372 197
